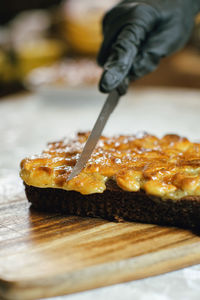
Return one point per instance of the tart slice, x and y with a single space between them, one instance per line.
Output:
137 178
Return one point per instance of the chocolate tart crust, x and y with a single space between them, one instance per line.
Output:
117 205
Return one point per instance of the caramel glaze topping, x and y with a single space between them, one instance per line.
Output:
168 167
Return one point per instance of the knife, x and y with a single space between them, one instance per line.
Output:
109 106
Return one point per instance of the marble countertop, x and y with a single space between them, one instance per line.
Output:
27 122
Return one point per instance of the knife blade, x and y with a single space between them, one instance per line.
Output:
108 107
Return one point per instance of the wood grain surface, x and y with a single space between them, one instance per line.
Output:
46 255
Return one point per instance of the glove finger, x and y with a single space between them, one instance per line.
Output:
138 15
123 86
120 61
144 63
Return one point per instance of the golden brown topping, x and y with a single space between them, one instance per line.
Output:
168 167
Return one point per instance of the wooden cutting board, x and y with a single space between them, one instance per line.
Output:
44 255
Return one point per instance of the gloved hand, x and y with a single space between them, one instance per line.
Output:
138 33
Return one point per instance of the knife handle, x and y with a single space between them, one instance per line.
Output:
123 86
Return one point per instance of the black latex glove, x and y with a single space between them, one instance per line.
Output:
137 34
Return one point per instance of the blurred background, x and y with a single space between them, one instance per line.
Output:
53 43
